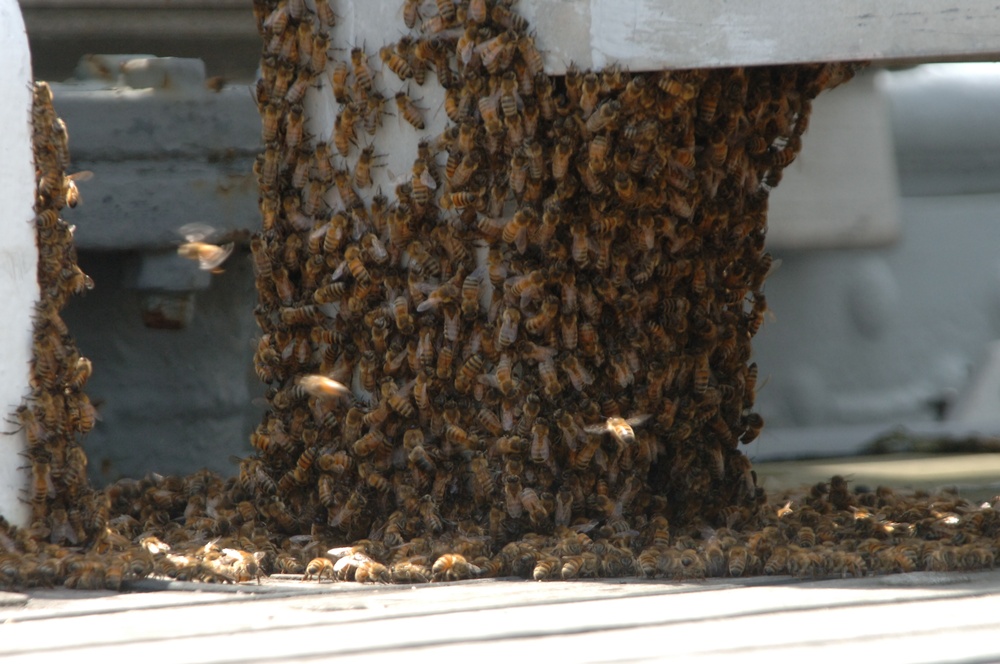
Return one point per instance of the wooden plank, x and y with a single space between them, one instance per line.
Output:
671 34
447 619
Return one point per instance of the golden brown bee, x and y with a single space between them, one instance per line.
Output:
452 566
319 567
322 387
491 50
543 320
605 115
209 256
589 89
336 463
409 111
369 443
396 63
363 169
338 79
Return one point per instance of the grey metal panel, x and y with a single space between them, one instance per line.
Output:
944 118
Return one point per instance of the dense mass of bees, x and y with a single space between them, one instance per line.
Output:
57 412
533 361
549 324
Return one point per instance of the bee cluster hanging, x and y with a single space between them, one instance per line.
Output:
532 360
57 412
548 325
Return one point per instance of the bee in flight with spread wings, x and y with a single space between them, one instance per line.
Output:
209 256
619 427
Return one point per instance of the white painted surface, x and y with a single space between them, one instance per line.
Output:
670 34
18 254
842 190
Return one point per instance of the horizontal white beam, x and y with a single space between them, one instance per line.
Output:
675 34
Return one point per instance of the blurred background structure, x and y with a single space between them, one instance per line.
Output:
885 305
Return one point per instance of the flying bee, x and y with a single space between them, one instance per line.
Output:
322 387
209 256
620 428
409 111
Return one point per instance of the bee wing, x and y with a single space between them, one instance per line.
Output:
81 176
596 429
636 420
428 180
217 258
775 264
196 231
354 560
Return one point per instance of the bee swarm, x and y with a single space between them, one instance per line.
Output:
533 361
549 327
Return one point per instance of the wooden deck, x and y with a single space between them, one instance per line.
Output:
920 617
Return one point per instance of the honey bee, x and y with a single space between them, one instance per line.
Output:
578 375
540 449
338 80
589 89
548 374
336 463
459 437
209 256
369 443
509 445
318 568
429 513
409 111
605 115
491 50
362 72
322 387
422 183
397 64
480 478
543 320
453 566
363 169
468 372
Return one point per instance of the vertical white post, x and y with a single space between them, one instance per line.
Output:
18 254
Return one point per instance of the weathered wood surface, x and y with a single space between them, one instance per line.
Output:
658 34
912 617
642 35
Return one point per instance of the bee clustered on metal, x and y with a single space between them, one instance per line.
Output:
533 362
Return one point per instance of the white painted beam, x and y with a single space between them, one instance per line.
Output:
674 34
18 254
